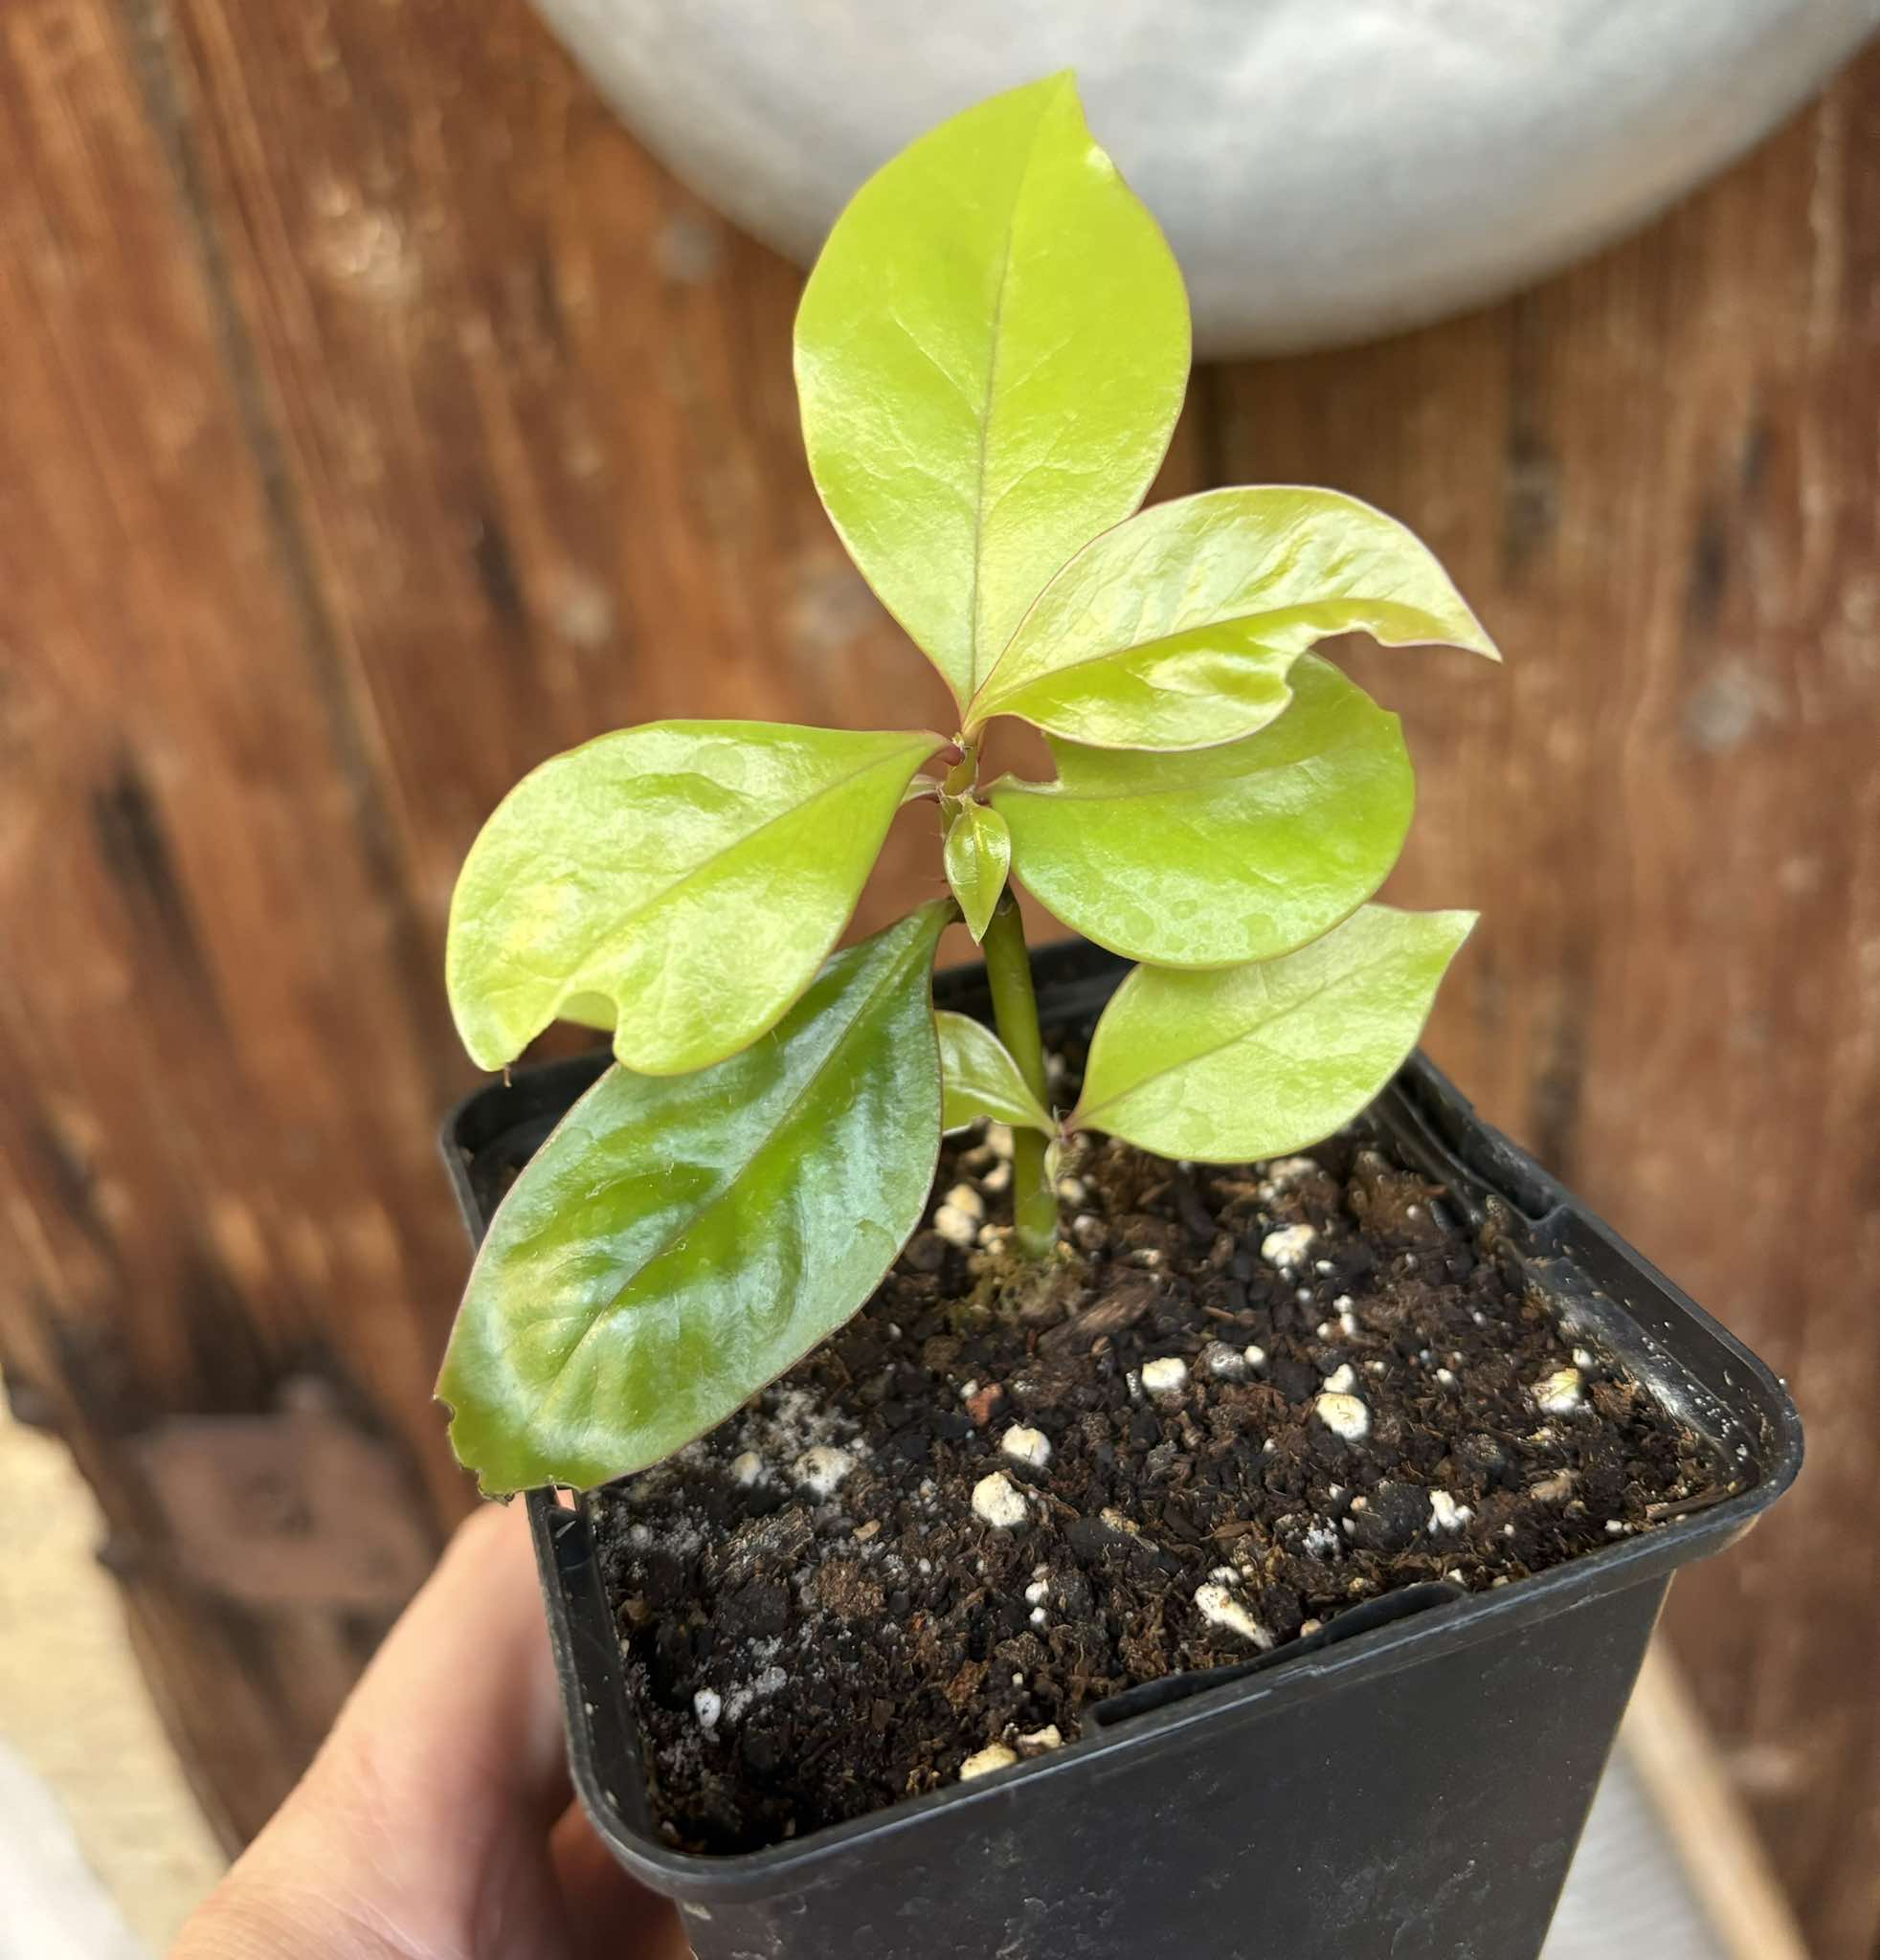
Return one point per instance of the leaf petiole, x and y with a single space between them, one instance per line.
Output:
1014 1013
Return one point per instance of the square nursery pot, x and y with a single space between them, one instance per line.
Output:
1407 1784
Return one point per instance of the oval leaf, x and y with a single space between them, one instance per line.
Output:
1221 855
1177 629
679 1243
679 883
991 354
982 1079
979 856
1258 1061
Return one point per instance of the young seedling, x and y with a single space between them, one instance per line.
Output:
991 354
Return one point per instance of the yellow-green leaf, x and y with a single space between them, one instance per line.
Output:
680 1242
978 853
1239 1062
1178 629
679 882
1214 857
981 1079
991 354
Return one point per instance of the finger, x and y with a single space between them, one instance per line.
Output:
610 1917
460 1707
421 1827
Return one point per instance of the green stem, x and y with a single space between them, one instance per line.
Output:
1014 1015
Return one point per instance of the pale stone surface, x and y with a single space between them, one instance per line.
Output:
56 1909
92 1799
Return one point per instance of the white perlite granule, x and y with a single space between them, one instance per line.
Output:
1219 1608
1341 1381
1223 1362
767 1684
1445 1514
995 1756
820 1470
1283 1169
1344 1416
1287 1246
1561 1393
956 1226
1026 1445
998 1501
1167 1375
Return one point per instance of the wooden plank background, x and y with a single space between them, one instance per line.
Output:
377 418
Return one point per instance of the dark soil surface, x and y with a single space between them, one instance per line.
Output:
1268 1392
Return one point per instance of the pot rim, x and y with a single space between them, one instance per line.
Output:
1732 1398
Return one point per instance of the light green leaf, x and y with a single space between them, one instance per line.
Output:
1177 629
979 856
991 354
589 1010
680 1242
982 1079
679 883
1251 1062
1215 857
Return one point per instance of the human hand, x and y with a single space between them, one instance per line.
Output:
434 1823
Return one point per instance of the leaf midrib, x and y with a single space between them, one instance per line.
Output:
1015 690
624 921
1293 1007
729 1183
986 419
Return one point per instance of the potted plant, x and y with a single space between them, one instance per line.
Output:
1143 1536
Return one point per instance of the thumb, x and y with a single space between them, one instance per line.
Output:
422 1827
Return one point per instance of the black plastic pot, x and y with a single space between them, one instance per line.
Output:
1408 1784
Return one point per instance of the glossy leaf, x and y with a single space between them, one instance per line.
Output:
1250 1062
991 354
1219 856
981 1079
680 1242
681 883
1177 629
979 855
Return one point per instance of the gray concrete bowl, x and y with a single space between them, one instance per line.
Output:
1329 170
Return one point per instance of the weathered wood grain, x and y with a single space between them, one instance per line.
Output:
377 419
1658 478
